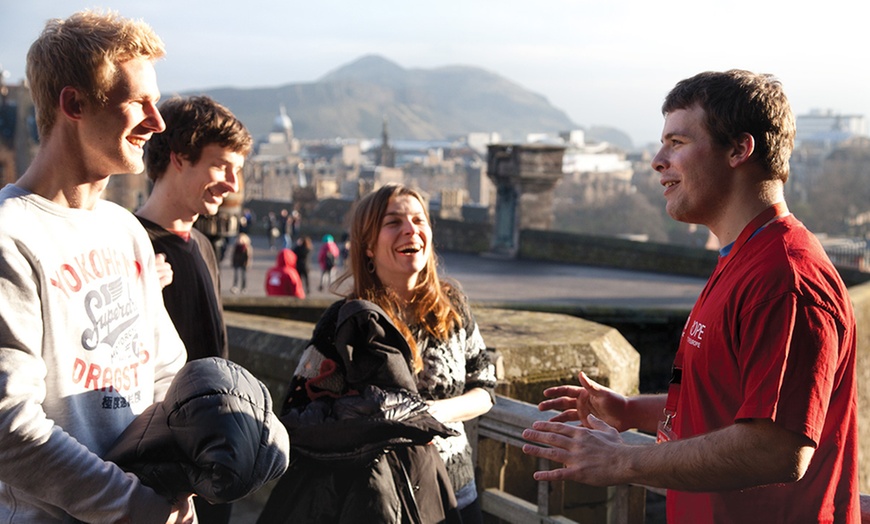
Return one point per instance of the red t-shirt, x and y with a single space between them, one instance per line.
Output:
772 336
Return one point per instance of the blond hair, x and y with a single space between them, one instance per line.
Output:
83 51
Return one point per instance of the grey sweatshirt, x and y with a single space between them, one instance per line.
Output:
85 345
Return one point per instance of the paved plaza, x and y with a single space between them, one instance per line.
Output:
491 279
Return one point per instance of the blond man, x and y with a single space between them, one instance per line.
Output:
85 342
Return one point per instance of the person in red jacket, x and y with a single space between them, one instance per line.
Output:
282 278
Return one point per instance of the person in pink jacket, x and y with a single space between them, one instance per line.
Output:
282 278
327 257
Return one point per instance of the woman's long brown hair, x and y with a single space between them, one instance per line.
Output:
430 307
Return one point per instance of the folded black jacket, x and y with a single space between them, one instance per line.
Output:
360 450
385 409
214 434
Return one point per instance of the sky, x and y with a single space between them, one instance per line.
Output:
605 62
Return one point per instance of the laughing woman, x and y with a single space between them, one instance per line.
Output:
393 270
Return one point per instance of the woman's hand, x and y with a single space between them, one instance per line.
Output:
183 512
471 404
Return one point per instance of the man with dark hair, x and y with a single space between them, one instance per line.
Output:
193 165
85 342
759 423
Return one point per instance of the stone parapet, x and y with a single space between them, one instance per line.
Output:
268 347
533 349
536 350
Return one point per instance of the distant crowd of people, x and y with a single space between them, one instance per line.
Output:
289 276
105 312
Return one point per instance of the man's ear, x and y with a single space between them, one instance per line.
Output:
176 160
742 149
72 103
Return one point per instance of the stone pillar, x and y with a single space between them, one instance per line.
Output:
525 177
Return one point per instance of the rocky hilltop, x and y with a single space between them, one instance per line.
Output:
423 104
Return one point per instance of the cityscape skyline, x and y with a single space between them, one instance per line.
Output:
604 64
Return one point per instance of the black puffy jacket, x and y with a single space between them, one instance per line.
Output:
360 431
214 434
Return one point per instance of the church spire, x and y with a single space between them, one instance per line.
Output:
387 156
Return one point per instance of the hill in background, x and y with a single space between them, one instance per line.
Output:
418 104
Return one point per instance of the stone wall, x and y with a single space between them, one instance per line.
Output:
461 237
533 350
591 250
268 347
559 246
616 253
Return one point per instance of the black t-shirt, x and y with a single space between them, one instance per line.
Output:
193 297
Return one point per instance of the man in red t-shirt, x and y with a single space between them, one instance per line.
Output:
759 423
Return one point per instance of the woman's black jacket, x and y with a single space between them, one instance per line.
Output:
364 455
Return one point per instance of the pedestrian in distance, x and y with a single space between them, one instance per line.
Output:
285 224
327 257
295 224
246 221
243 258
85 341
282 279
273 230
302 249
343 251
759 422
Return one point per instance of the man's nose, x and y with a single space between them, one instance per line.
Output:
233 179
154 120
658 161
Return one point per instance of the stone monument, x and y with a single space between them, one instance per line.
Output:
525 176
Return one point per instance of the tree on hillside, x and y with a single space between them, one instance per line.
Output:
624 214
841 193
648 183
